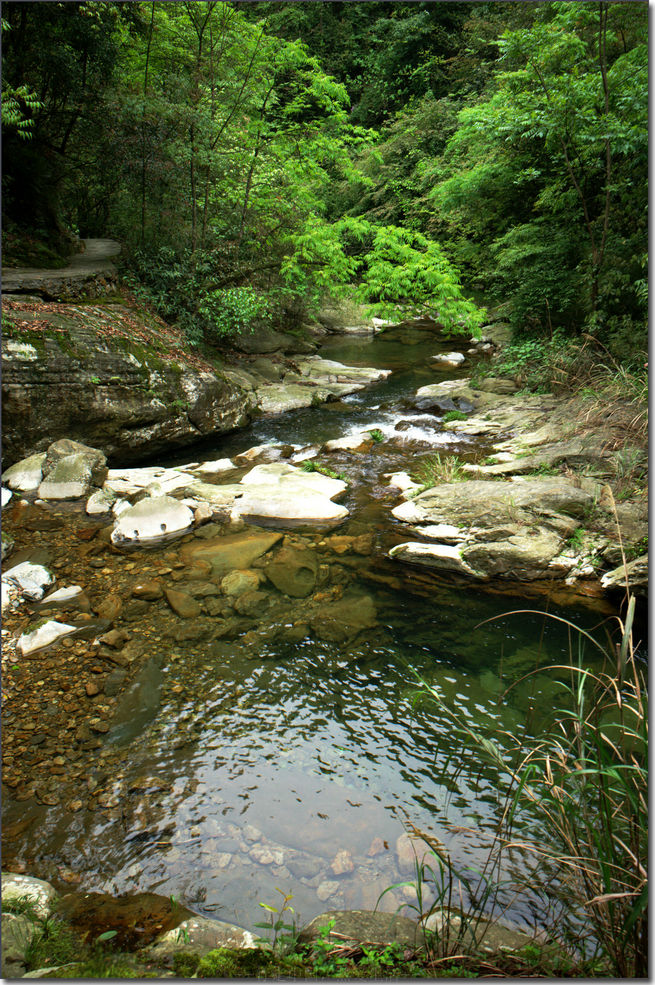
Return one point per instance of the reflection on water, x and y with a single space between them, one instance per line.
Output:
261 764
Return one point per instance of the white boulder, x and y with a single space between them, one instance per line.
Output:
29 578
152 521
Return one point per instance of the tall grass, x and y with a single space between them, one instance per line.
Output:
580 790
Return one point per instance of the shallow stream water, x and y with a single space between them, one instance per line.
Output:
240 766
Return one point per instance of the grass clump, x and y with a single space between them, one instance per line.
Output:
453 415
312 466
574 810
437 469
377 435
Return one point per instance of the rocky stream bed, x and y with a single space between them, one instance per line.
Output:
202 673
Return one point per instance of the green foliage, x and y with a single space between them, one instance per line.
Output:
326 961
575 798
377 435
453 415
312 466
283 934
437 469
176 284
544 171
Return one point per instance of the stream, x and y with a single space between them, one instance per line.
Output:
239 766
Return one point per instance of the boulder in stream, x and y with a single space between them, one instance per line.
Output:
511 530
152 521
26 475
293 571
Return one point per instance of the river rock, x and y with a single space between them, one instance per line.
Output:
29 578
234 551
361 926
149 590
282 495
512 530
361 441
445 557
152 521
44 635
71 470
293 571
277 398
7 544
26 475
238 582
634 572
328 371
109 608
182 604
342 621
342 863
198 935
450 358
101 502
251 603
72 597
18 931
19 887
6 495
215 467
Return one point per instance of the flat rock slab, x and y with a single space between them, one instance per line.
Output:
329 371
634 572
507 529
45 635
234 551
483 503
364 927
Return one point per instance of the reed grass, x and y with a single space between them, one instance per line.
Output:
574 811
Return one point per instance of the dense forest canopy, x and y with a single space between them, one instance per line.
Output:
255 158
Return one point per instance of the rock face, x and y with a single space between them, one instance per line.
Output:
89 378
513 530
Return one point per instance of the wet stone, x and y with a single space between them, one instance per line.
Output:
114 682
182 604
148 590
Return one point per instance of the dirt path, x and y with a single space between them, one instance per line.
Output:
97 258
